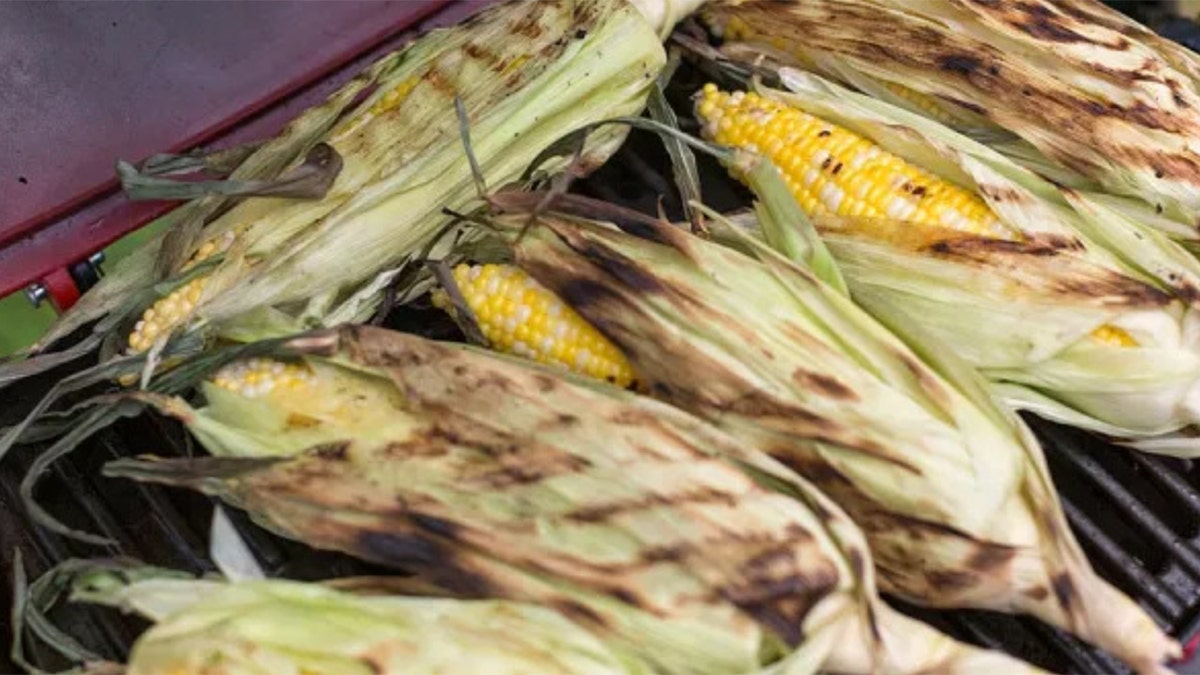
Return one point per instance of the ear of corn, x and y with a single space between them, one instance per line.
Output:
279 626
628 517
526 73
518 316
914 449
1049 314
563 76
832 170
1084 87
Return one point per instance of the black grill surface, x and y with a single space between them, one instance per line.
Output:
1138 517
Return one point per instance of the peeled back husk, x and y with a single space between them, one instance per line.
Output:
635 520
951 490
1096 100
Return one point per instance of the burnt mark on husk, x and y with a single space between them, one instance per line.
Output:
526 470
332 452
578 613
1042 23
929 383
604 512
582 294
916 525
477 52
398 548
1076 12
1037 593
778 592
622 268
1064 590
825 384
436 525
959 64
659 554
858 566
987 557
969 105
950 581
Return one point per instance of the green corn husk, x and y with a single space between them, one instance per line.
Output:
1024 311
628 517
1072 88
951 490
525 74
291 628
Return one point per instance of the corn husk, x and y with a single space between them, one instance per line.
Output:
1024 311
1094 98
292 628
513 78
650 528
951 490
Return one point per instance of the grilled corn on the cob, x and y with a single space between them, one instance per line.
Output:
518 316
1063 327
1096 99
526 73
278 626
628 517
831 170
952 491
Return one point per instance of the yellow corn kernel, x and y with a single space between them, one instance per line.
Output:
258 377
517 315
833 170
168 312
394 97
929 106
1115 336
315 397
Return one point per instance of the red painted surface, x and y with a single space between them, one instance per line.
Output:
65 122
61 288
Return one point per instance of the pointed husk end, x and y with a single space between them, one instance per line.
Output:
1107 618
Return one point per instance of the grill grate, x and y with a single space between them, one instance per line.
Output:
1137 517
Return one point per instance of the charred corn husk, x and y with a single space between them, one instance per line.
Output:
628 517
517 316
951 490
1095 98
526 74
1035 300
278 626
751 37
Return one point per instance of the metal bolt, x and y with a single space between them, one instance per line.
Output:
96 258
36 293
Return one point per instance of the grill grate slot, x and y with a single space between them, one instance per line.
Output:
1135 510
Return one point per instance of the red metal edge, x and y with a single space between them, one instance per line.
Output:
42 249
